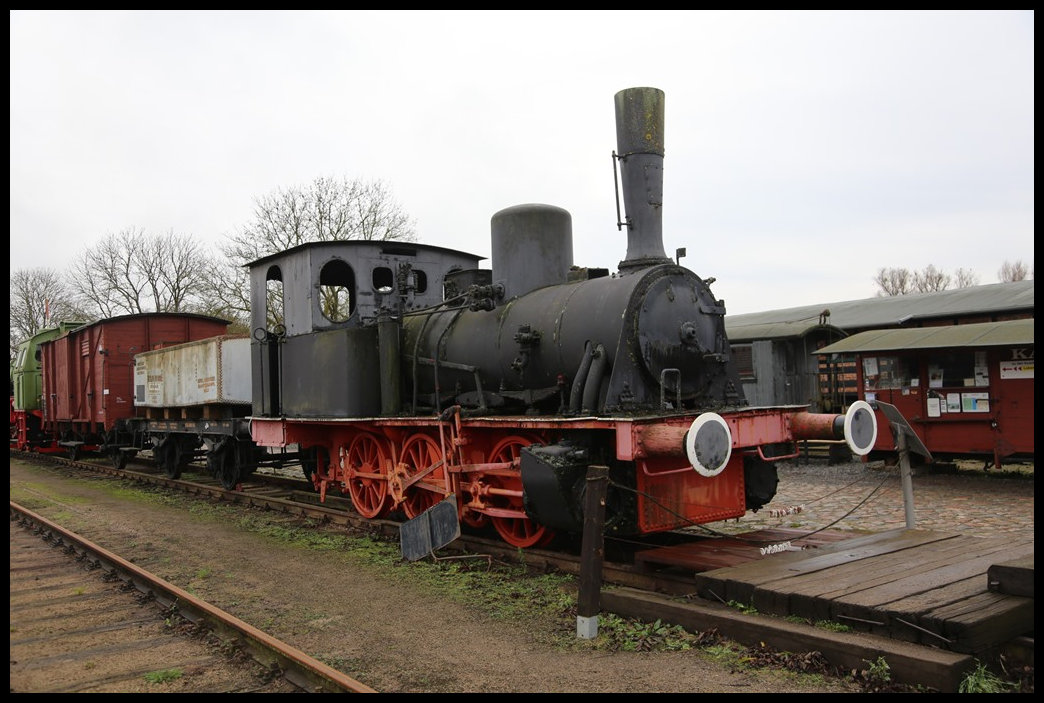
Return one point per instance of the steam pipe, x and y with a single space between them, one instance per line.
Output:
578 382
594 379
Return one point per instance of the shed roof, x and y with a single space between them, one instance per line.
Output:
982 334
891 311
778 330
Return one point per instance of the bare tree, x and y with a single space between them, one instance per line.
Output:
226 293
103 277
1010 272
931 280
39 299
893 281
325 210
965 278
131 272
178 272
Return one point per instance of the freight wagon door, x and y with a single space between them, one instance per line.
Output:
117 385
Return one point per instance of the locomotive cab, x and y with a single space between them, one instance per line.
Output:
317 306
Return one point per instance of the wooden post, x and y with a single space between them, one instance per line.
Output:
592 553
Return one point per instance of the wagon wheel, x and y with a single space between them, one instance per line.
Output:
168 455
119 459
364 463
172 462
519 532
215 459
224 466
73 453
418 453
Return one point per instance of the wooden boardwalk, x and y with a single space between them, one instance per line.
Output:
964 594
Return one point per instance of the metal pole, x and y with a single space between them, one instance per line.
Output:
905 475
592 553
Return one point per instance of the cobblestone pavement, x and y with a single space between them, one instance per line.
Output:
868 497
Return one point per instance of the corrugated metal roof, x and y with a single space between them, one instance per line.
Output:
890 311
779 330
980 334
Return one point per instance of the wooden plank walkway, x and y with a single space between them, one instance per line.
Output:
917 586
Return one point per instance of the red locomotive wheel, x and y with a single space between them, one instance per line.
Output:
418 454
364 463
519 532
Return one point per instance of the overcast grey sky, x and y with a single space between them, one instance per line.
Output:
804 150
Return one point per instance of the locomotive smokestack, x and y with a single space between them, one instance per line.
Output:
639 144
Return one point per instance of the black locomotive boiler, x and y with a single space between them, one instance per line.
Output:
408 375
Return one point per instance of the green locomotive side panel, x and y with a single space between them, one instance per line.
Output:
27 368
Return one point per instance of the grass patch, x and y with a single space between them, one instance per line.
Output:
37 495
619 634
744 608
982 680
163 676
832 626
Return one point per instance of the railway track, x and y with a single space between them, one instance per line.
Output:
85 620
637 591
282 494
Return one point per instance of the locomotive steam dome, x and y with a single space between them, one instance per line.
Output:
532 247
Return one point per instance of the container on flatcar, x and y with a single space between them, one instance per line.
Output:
206 372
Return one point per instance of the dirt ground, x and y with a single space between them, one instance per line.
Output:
373 624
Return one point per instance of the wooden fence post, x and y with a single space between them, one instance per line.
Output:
592 553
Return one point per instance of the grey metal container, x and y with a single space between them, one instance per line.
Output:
206 372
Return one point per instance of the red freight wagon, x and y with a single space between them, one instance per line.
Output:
965 390
88 373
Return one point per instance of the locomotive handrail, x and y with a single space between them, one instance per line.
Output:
428 361
781 457
474 370
663 388
616 192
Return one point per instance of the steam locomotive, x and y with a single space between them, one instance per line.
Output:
404 376
414 376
